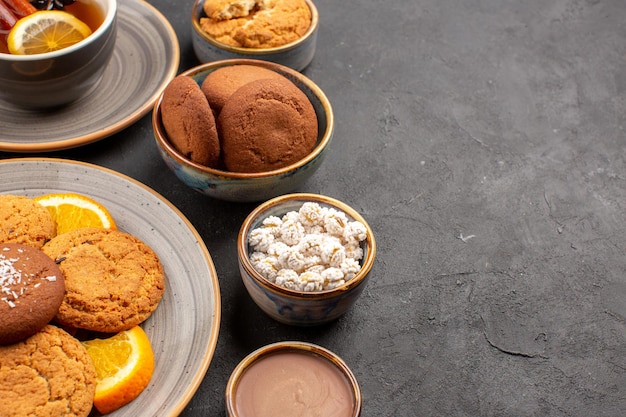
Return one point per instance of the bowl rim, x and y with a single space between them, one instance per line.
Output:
195 24
322 144
290 346
246 264
107 23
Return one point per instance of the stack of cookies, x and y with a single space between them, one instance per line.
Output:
99 280
256 23
243 118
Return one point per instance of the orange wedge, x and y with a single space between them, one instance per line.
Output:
124 366
46 31
75 211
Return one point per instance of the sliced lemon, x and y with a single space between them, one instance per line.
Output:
124 366
46 31
75 211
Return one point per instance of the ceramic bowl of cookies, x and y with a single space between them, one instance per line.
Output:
305 258
266 382
281 31
243 130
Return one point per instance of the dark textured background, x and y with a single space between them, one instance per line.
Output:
484 142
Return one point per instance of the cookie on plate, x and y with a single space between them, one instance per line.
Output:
23 220
113 280
31 291
47 374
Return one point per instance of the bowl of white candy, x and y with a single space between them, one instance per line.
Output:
305 258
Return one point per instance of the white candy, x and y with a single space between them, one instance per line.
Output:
287 278
311 281
333 252
335 222
272 223
268 266
291 231
354 232
350 267
333 277
260 239
311 214
313 249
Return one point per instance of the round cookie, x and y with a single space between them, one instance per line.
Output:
23 220
265 125
113 281
48 374
229 9
189 121
220 84
31 291
256 24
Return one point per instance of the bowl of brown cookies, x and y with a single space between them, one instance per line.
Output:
243 130
281 31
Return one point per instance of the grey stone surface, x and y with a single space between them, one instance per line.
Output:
484 142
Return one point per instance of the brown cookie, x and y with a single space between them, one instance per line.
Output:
31 291
50 374
23 220
256 24
220 84
113 281
189 121
265 125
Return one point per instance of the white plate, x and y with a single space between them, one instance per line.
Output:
184 328
145 59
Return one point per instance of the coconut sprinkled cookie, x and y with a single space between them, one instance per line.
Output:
48 374
31 291
113 280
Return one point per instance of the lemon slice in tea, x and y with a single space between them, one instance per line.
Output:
46 31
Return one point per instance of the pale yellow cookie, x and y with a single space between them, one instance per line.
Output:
50 374
267 24
113 280
23 220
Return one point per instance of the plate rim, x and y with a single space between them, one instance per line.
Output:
211 343
108 130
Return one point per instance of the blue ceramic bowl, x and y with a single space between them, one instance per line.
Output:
246 187
296 55
299 307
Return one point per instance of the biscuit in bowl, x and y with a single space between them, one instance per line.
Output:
256 24
189 121
220 84
267 124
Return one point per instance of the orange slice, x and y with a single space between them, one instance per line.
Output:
46 31
124 366
74 211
